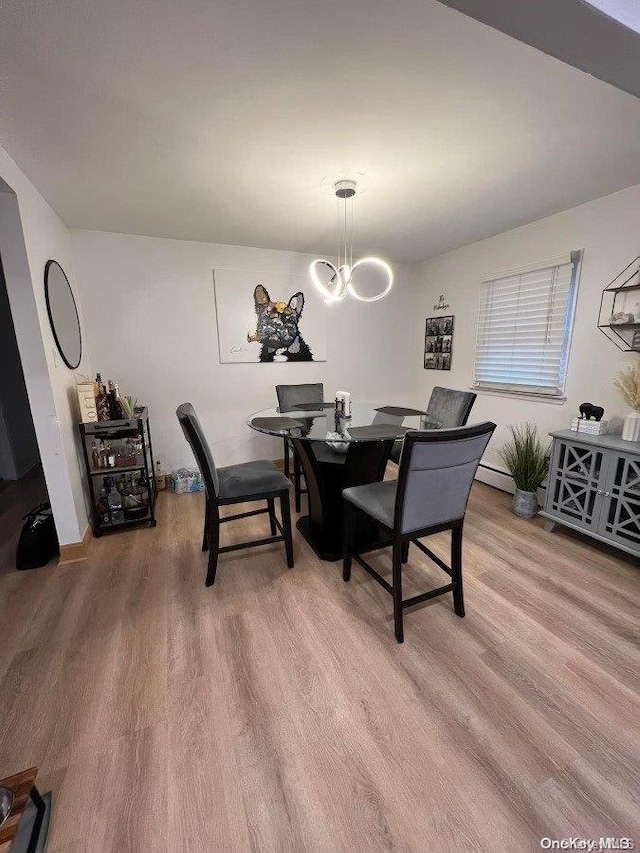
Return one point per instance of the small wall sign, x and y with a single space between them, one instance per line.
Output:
441 305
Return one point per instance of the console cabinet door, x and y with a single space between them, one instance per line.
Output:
576 492
620 517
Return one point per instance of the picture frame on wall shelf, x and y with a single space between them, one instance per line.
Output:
438 342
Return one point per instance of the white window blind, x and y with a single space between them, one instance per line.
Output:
524 330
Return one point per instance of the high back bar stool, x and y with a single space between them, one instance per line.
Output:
447 406
430 495
235 484
290 396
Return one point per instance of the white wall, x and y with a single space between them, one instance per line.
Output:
30 234
149 313
608 231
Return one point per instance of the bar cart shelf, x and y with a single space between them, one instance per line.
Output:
127 465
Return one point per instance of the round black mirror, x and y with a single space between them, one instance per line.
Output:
63 314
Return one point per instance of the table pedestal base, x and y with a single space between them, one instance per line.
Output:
322 528
319 545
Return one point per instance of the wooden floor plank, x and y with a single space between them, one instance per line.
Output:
275 711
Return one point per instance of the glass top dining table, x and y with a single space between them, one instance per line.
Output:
335 453
367 422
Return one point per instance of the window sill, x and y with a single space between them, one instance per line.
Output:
522 395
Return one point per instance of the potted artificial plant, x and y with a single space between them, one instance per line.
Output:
527 459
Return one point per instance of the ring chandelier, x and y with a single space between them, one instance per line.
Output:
341 283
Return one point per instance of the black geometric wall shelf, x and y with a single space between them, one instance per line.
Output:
619 316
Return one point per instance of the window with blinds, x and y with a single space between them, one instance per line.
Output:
524 330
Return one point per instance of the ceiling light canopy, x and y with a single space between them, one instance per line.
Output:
336 281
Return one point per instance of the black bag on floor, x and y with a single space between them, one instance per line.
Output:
38 541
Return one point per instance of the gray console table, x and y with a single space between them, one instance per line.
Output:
594 487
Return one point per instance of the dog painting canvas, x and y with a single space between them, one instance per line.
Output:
269 318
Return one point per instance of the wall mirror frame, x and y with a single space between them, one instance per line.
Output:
63 314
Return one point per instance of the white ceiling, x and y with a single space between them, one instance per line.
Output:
627 12
229 120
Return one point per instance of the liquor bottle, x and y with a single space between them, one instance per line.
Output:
114 500
112 409
109 457
115 406
117 402
102 401
161 480
103 504
95 456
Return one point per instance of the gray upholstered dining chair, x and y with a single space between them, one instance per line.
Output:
235 484
290 398
449 407
430 495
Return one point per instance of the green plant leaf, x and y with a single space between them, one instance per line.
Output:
526 457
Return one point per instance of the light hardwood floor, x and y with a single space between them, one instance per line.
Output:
275 711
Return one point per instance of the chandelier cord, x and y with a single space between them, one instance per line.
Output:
341 282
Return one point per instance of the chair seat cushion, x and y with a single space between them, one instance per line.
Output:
250 478
377 499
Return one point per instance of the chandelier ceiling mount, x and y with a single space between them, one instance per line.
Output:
339 278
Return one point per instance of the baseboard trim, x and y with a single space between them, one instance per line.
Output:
76 552
496 478
502 480
485 474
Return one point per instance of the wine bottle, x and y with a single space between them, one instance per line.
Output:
102 401
103 505
115 405
114 500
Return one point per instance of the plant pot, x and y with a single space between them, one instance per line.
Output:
631 428
525 504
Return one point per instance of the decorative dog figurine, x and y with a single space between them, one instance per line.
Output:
588 411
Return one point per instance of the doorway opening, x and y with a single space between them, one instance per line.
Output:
22 483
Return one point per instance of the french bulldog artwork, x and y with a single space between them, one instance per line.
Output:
265 317
278 328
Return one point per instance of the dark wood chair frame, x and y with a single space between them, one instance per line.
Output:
401 542
290 451
471 398
296 478
213 520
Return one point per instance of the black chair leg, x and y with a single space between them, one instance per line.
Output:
349 532
405 551
397 590
285 511
213 536
272 515
41 808
287 469
456 570
297 481
205 536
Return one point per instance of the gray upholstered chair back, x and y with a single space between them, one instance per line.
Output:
436 472
290 396
451 407
195 436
